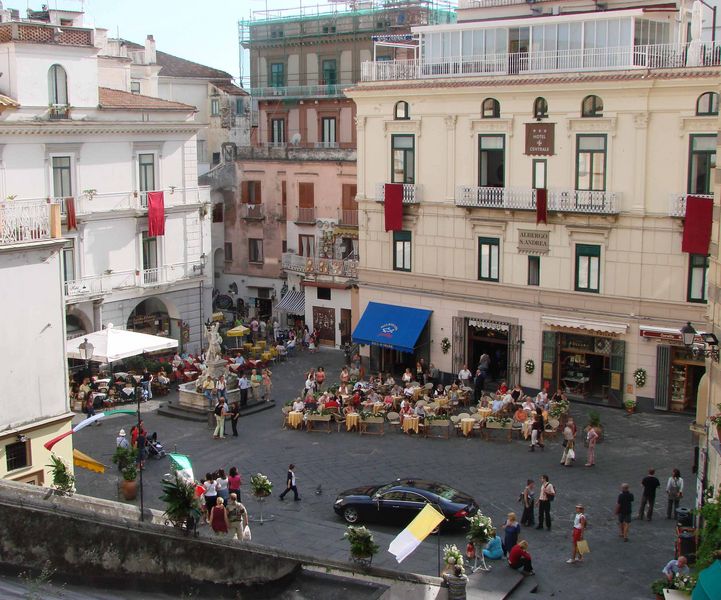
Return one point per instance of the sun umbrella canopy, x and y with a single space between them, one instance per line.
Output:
112 344
709 582
182 465
86 462
238 331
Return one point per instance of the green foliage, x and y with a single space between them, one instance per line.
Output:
63 480
361 541
659 585
180 501
37 585
480 529
124 457
559 408
130 472
709 548
594 418
138 363
260 485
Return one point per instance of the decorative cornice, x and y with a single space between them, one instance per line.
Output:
591 234
491 126
697 124
78 127
405 126
592 125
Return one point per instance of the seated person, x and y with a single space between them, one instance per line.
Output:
408 391
519 558
542 400
494 547
290 346
517 393
439 391
85 386
348 409
503 388
298 405
454 395
374 397
559 395
332 402
406 410
163 379
497 405
507 402
356 399
239 359
388 400
528 405
343 389
128 391
420 411
310 402
390 380
177 361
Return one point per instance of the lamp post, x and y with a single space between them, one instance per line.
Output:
86 351
710 347
138 395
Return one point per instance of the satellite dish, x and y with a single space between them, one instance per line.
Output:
295 139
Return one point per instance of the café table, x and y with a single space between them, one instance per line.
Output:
378 407
485 412
467 426
295 419
410 424
352 420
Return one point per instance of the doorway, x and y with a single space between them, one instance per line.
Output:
324 322
519 39
345 331
491 341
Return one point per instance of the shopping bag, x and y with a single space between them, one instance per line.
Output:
246 534
582 546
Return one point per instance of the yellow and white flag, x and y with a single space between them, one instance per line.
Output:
418 529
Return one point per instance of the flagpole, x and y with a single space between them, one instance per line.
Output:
438 536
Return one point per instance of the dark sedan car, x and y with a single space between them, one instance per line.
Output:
399 502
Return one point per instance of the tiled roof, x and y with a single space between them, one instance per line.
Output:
640 74
229 87
174 66
120 100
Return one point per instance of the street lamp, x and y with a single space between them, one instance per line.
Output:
710 347
86 352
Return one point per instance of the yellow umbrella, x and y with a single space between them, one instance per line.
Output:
238 331
84 461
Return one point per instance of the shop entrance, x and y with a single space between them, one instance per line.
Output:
492 341
686 373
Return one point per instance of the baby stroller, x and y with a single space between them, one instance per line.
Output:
155 448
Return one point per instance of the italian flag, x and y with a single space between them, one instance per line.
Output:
411 537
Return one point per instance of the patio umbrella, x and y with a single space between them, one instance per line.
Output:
237 332
112 344
181 463
709 583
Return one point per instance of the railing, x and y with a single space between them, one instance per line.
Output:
658 56
326 145
115 201
45 33
677 203
300 91
411 193
24 221
572 201
349 218
252 211
315 265
99 285
62 202
489 3
306 215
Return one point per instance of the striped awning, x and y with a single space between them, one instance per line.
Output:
583 325
293 303
7 102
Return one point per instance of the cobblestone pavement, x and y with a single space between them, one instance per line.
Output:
494 472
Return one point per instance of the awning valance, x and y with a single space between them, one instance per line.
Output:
391 326
293 303
584 325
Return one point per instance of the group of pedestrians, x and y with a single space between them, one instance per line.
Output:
223 509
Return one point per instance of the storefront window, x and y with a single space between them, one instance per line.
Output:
697 283
588 268
686 373
585 365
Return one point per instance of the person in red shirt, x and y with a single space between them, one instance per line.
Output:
332 402
519 558
320 377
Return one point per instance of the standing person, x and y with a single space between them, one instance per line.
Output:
478 382
579 527
519 558
234 417
220 388
121 441
545 497
650 484
276 329
262 329
237 517
210 494
254 326
433 374
464 375
528 498
674 491
569 452
591 438
255 381
243 385
219 517
511 531
141 443
146 380
221 411
319 378
484 364
290 484
624 509
537 432
222 486
234 482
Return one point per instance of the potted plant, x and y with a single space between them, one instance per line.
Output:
630 405
124 457
182 508
452 557
559 409
594 420
63 479
260 486
658 586
362 545
479 530
128 486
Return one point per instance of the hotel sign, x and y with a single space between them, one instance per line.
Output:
540 139
532 242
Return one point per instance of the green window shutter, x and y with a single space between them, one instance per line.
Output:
549 358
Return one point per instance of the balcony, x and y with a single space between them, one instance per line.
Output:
252 212
23 221
677 203
659 56
306 216
42 33
332 90
349 218
93 202
411 193
314 265
567 201
99 285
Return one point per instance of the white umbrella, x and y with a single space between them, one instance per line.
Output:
694 58
112 344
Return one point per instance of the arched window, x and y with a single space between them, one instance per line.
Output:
707 105
592 106
401 111
540 108
57 86
491 109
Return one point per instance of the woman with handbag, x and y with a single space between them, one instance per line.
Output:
579 527
528 497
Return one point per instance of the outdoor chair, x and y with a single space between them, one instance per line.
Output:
394 419
285 410
551 429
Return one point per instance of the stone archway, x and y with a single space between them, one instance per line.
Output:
150 316
77 323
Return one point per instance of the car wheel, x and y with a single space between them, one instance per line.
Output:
350 515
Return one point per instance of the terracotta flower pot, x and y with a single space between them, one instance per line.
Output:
129 489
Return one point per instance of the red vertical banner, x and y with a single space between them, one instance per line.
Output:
393 197
70 214
541 205
156 214
697 225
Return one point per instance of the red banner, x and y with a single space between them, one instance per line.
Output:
394 206
541 205
70 214
697 225
156 214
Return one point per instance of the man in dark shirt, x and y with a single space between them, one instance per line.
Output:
650 484
624 509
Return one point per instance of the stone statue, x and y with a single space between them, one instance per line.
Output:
214 340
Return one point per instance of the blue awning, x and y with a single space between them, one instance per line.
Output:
391 326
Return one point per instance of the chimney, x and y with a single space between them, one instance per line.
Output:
150 58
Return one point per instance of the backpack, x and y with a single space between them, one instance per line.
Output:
219 409
674 488
549 495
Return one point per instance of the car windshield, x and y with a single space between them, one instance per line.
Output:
444 491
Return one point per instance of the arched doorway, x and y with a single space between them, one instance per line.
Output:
151 317
74 327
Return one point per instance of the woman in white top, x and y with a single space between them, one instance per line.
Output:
210 494
407 376
222 485
299 405
579 526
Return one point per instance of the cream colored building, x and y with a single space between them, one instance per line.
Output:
615 114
